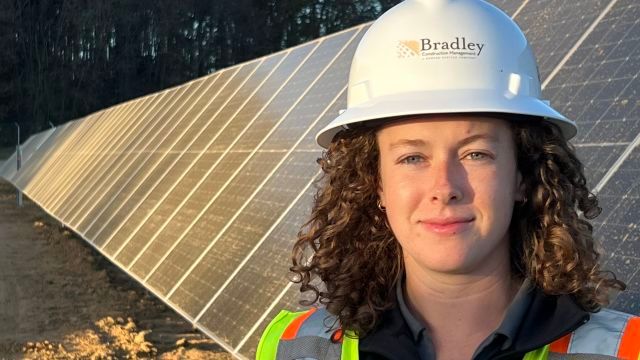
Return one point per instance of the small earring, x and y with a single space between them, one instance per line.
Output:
382 208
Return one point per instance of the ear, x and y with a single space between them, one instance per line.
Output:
520 188
381 197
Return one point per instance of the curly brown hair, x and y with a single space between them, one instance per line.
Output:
348 246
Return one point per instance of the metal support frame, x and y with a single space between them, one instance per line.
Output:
18 163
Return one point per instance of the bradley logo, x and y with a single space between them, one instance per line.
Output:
458 48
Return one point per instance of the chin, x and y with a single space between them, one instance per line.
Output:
450 265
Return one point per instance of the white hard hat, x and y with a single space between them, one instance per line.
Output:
443 56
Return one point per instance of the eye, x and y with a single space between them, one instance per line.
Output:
477 155
412 159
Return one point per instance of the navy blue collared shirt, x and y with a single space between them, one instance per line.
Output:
499 340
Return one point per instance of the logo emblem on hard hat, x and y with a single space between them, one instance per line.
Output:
408 48
459 47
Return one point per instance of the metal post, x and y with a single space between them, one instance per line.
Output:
18 163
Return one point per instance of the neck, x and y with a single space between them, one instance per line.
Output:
462 309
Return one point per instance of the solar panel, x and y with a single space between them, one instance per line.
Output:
554 26
128 148
40 161
124 145
162 113
198 191
36 162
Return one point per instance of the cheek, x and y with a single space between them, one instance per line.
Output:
495 195
402 196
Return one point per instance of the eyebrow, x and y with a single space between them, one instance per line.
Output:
473 138
407 142
461 143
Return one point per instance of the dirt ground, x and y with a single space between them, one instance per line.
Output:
60 299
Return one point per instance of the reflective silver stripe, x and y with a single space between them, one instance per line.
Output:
601 335
308 348
317 324
554 356
312 341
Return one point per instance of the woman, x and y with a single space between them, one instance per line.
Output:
451 222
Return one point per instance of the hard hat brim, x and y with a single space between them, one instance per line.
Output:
444 102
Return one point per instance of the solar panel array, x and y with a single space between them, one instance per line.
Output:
198 191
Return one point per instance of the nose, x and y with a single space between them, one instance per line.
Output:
446 174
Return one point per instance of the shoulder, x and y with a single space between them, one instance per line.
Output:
608 332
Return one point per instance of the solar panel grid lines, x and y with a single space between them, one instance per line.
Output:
152 145
577 44
619 229
105 230
48 158
235 84
552 27
255 247
86 155
288 292
108 167
339 47
102 167
145 121
35 188
265 271
81 139
616 165
139 157
96 149
117 220
250 199
519 9
188 136
164 112
598 87
269 63
124 191
614 89
261 309
281 78
187 141
239 231
254 171
67 157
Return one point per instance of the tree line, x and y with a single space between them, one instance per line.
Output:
62 59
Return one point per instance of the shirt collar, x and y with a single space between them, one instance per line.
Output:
509 326
416 327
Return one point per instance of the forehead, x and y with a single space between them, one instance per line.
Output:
442 128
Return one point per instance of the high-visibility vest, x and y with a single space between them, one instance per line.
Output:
609 334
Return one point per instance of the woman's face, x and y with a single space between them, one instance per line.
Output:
449 184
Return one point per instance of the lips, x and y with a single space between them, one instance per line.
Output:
448 225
